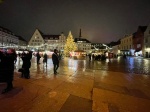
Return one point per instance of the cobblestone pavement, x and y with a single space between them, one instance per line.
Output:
81 86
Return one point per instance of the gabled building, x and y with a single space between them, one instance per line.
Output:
146 48
40 41
36 42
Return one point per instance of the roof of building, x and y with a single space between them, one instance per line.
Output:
40 32
96 43
142 28
21 38
6 30
114 43
81 39
51 37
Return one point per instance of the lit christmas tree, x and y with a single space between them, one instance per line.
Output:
70 45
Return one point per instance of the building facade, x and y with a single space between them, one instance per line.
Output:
22 43
83 44
8 39
126 45
40 41
99 48
138 40
146 48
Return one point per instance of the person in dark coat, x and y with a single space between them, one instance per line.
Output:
45 59
38 57
55 59
7 68
26 65
89 57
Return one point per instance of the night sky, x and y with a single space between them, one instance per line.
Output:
101 21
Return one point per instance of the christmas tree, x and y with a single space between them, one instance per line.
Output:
70 45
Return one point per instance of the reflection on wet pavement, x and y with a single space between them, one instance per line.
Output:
99 86
134 65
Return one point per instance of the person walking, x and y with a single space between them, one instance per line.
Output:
55 59
27 64
89 57
38 57
45 59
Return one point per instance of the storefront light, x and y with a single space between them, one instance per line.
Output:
147 49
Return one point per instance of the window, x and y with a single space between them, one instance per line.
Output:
138 45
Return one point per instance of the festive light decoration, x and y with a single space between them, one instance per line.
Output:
70 45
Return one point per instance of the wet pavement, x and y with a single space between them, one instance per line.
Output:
115 85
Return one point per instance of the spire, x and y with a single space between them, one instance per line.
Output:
80 34
70 33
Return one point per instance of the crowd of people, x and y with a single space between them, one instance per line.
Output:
8 60
97 57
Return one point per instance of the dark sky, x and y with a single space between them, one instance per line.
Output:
101 21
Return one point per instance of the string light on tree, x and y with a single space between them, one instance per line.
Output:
70 45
